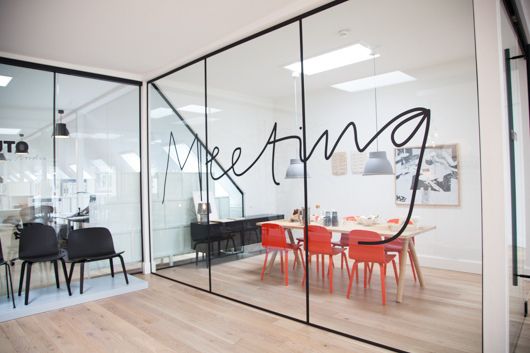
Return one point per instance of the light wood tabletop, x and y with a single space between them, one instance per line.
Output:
385 231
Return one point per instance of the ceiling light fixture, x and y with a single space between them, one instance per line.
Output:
4 80
388 79
61 131
332 60
4 131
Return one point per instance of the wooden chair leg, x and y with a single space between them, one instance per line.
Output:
56 271
265 263
111 263
66 277
81 277
123 269
28 280
21 281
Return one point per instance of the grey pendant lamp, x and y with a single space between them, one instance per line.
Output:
2 156
377 163
61 131
295 169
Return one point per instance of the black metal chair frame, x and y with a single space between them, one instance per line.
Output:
82 262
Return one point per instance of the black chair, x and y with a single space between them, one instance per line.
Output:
92 244
38 243
9 280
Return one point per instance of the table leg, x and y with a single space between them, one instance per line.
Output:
291 239
271 261
416 263
402 268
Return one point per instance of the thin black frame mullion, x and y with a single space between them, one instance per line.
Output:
304 152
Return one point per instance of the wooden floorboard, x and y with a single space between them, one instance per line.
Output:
445 316
167 317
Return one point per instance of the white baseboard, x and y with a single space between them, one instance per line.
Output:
444 263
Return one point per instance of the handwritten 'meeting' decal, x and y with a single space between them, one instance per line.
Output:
421 115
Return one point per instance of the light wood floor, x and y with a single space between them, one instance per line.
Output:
167 317
445 316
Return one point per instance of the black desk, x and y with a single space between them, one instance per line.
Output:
215 232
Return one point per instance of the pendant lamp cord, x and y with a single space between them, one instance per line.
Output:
295 99
375 103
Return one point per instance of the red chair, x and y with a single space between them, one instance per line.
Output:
369 254
320 244
273 239
397 246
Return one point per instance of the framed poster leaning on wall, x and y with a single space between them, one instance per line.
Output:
439 179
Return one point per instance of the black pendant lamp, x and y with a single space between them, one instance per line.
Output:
21 147
61 131
377 163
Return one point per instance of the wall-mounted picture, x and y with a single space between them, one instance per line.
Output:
439 179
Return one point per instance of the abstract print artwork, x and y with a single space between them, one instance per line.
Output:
438 183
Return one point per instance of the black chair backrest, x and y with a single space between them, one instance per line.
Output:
90 242
37 240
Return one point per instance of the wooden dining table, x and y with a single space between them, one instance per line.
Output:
383 229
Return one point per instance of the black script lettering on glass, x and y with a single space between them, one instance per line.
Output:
423 115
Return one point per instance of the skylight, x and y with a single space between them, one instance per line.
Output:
5 131
387 79
199 109
4 80
333 59
133 160
161 113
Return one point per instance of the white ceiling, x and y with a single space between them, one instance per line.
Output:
136 37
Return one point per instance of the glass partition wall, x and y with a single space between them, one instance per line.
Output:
320 136
88 175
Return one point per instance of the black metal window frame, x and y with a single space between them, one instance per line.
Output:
92 75
151 82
